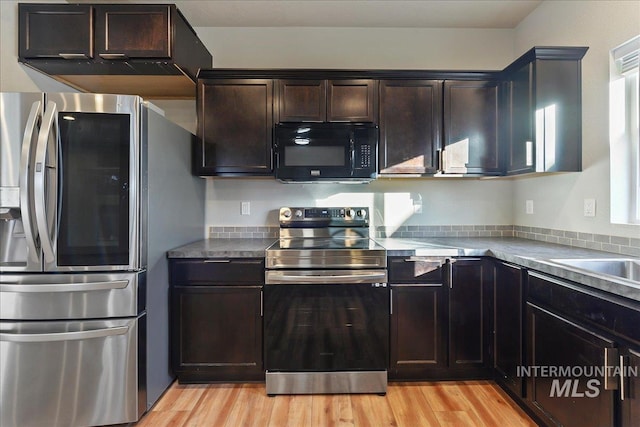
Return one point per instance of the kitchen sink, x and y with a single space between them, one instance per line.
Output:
625 268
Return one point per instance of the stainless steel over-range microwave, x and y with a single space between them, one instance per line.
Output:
334 152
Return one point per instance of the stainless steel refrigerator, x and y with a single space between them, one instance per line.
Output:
94 189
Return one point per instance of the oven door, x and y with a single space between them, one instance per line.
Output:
333 326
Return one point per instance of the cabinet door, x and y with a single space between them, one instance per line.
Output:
555 342
302 100
352 101
520 149
234 127
558 116
217 333
418 340
508 325
133 31
469 314
410 117
55 31
471 127
630 388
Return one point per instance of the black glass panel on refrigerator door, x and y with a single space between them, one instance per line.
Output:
94 216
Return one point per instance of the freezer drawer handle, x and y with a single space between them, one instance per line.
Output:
65 287
65 336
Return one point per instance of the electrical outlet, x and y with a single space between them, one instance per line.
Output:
589 207
245 208
417 206
528 207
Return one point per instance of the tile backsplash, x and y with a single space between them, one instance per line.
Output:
616 244
601 242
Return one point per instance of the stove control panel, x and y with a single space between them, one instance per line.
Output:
328 217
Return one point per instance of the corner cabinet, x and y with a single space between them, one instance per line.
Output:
542 105
410 126
216 319
235 127
143 49
327 100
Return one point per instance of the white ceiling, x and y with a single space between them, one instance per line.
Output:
351 13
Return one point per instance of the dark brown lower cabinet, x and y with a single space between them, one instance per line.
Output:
216 319
217 333
470 318
630 387
418 340
508 321
440 318
567 400
594 337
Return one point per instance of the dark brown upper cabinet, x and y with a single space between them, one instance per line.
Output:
148 50
235 123
542 107
471 131
340 100
55 31
410 126
302 100
137 31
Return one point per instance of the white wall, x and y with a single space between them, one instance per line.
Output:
15 77
391 201
558 199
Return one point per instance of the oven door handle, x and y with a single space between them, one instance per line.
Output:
325 277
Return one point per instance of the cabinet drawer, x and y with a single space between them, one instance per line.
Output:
217 271
614 314
415 269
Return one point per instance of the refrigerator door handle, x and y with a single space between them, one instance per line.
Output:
64 336
66 287
40 174
25 181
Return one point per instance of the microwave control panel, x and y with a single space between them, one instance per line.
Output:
365 157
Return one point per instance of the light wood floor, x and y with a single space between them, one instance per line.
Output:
460 403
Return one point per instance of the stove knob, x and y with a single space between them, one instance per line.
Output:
286 213
299 213
350 213
362 213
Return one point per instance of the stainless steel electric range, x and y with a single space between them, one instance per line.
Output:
326 304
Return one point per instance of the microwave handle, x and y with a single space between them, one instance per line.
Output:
352 152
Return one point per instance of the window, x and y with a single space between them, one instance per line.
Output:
624 132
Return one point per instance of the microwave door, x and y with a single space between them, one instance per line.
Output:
96 212
19 240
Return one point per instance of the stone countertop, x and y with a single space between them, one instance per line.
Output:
532 254
222 248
